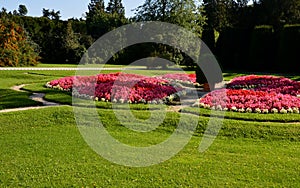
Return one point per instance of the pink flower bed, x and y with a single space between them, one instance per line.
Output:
260 94
120 87
250 101
180 77
266 83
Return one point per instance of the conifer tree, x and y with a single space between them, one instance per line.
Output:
116 7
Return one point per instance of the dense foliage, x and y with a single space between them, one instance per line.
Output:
100 20
232 29
187 14
259 49
16 48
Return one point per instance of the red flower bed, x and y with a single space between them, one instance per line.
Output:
266 83
180 77
119 87
250 101
260 94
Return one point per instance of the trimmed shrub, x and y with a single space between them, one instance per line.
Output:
262 48
288 49
232 48
208 36
207 60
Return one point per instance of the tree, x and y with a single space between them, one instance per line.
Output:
116 7
73 50
3 11
185 13
99 21
96 18
22 10
95 6
16 48
51 14
217 12
15 13
154 10
279 12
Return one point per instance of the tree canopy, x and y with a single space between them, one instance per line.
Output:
64 41
186 13
22 10
100 20
16 48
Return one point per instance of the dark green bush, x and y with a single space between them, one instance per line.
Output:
232 48
262 48
288 49
207 60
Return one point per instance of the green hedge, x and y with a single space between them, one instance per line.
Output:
233 48
289 49
260 49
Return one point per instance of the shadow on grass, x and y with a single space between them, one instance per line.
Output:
14 99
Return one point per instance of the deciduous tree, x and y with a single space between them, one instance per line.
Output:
22 10
16 48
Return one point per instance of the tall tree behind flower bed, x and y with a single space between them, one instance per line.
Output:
16 48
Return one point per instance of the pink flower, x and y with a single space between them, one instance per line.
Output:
119 87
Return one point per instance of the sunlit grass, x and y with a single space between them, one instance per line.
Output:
44 148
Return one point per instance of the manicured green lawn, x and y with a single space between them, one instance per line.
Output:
44 148
89 65
13 99
283 118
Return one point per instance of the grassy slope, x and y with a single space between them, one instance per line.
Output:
12 99
47 150
90 65
43 148
284 118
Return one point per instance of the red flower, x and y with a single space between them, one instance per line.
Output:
119 86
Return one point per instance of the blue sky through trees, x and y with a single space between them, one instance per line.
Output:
67 8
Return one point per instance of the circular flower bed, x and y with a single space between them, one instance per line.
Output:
259 94
121 87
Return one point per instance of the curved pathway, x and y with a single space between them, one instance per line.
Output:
39 97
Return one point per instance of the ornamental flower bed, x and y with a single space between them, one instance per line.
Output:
250 101
266 83
180 78
258 94
120 87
